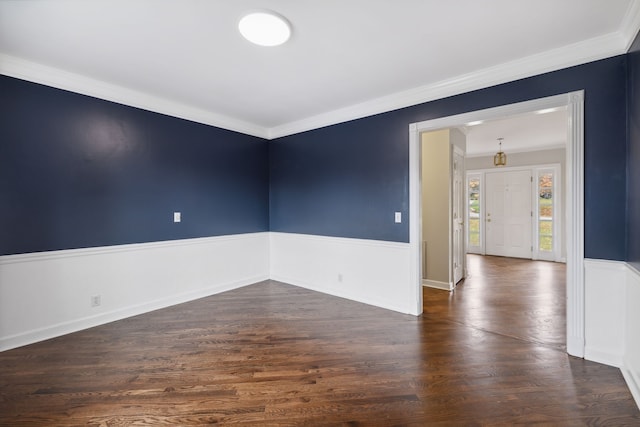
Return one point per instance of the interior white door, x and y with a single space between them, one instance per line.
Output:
508 215
458 214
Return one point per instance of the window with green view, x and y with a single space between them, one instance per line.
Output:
474 211
545 211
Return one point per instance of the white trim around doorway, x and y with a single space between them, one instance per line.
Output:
574 212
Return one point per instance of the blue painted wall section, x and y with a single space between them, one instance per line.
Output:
633 162
347 180
344 181
77 172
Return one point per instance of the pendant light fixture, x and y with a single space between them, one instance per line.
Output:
500 159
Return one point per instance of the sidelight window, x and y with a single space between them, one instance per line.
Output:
547 213
474 200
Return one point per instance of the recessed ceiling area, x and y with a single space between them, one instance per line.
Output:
344 60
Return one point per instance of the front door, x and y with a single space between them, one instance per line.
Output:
509 215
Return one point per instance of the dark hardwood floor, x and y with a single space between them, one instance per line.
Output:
272 354
514 297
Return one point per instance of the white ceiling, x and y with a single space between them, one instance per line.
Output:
346 58
521 133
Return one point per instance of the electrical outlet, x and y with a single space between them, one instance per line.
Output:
96 300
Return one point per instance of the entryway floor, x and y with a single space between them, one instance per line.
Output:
518 298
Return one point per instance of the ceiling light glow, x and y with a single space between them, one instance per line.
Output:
265 28
477 122
547 110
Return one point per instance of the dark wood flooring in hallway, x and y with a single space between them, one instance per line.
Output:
273 354
514 297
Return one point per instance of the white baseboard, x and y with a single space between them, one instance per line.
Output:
633 382
437 285
368 271
605 357
48 294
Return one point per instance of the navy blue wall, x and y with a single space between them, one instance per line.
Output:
347 180
633 162
76 171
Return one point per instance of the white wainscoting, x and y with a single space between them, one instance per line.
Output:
612 318
631 362
605 289
368 271
47 294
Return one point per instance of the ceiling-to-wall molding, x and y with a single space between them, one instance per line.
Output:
578 53
630 24
61 79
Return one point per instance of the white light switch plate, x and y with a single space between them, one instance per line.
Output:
398 217
177 217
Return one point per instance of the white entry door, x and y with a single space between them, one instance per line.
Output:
508 218
458 214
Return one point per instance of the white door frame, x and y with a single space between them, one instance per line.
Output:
574 212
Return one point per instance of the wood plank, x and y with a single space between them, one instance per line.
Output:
490 353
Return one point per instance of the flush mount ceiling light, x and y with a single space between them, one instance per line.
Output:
265 28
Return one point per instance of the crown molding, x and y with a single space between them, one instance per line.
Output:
630 24
594 49
575 54
61 79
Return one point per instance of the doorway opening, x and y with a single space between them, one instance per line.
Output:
442 194
574 211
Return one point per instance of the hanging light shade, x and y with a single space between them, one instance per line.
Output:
500 159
